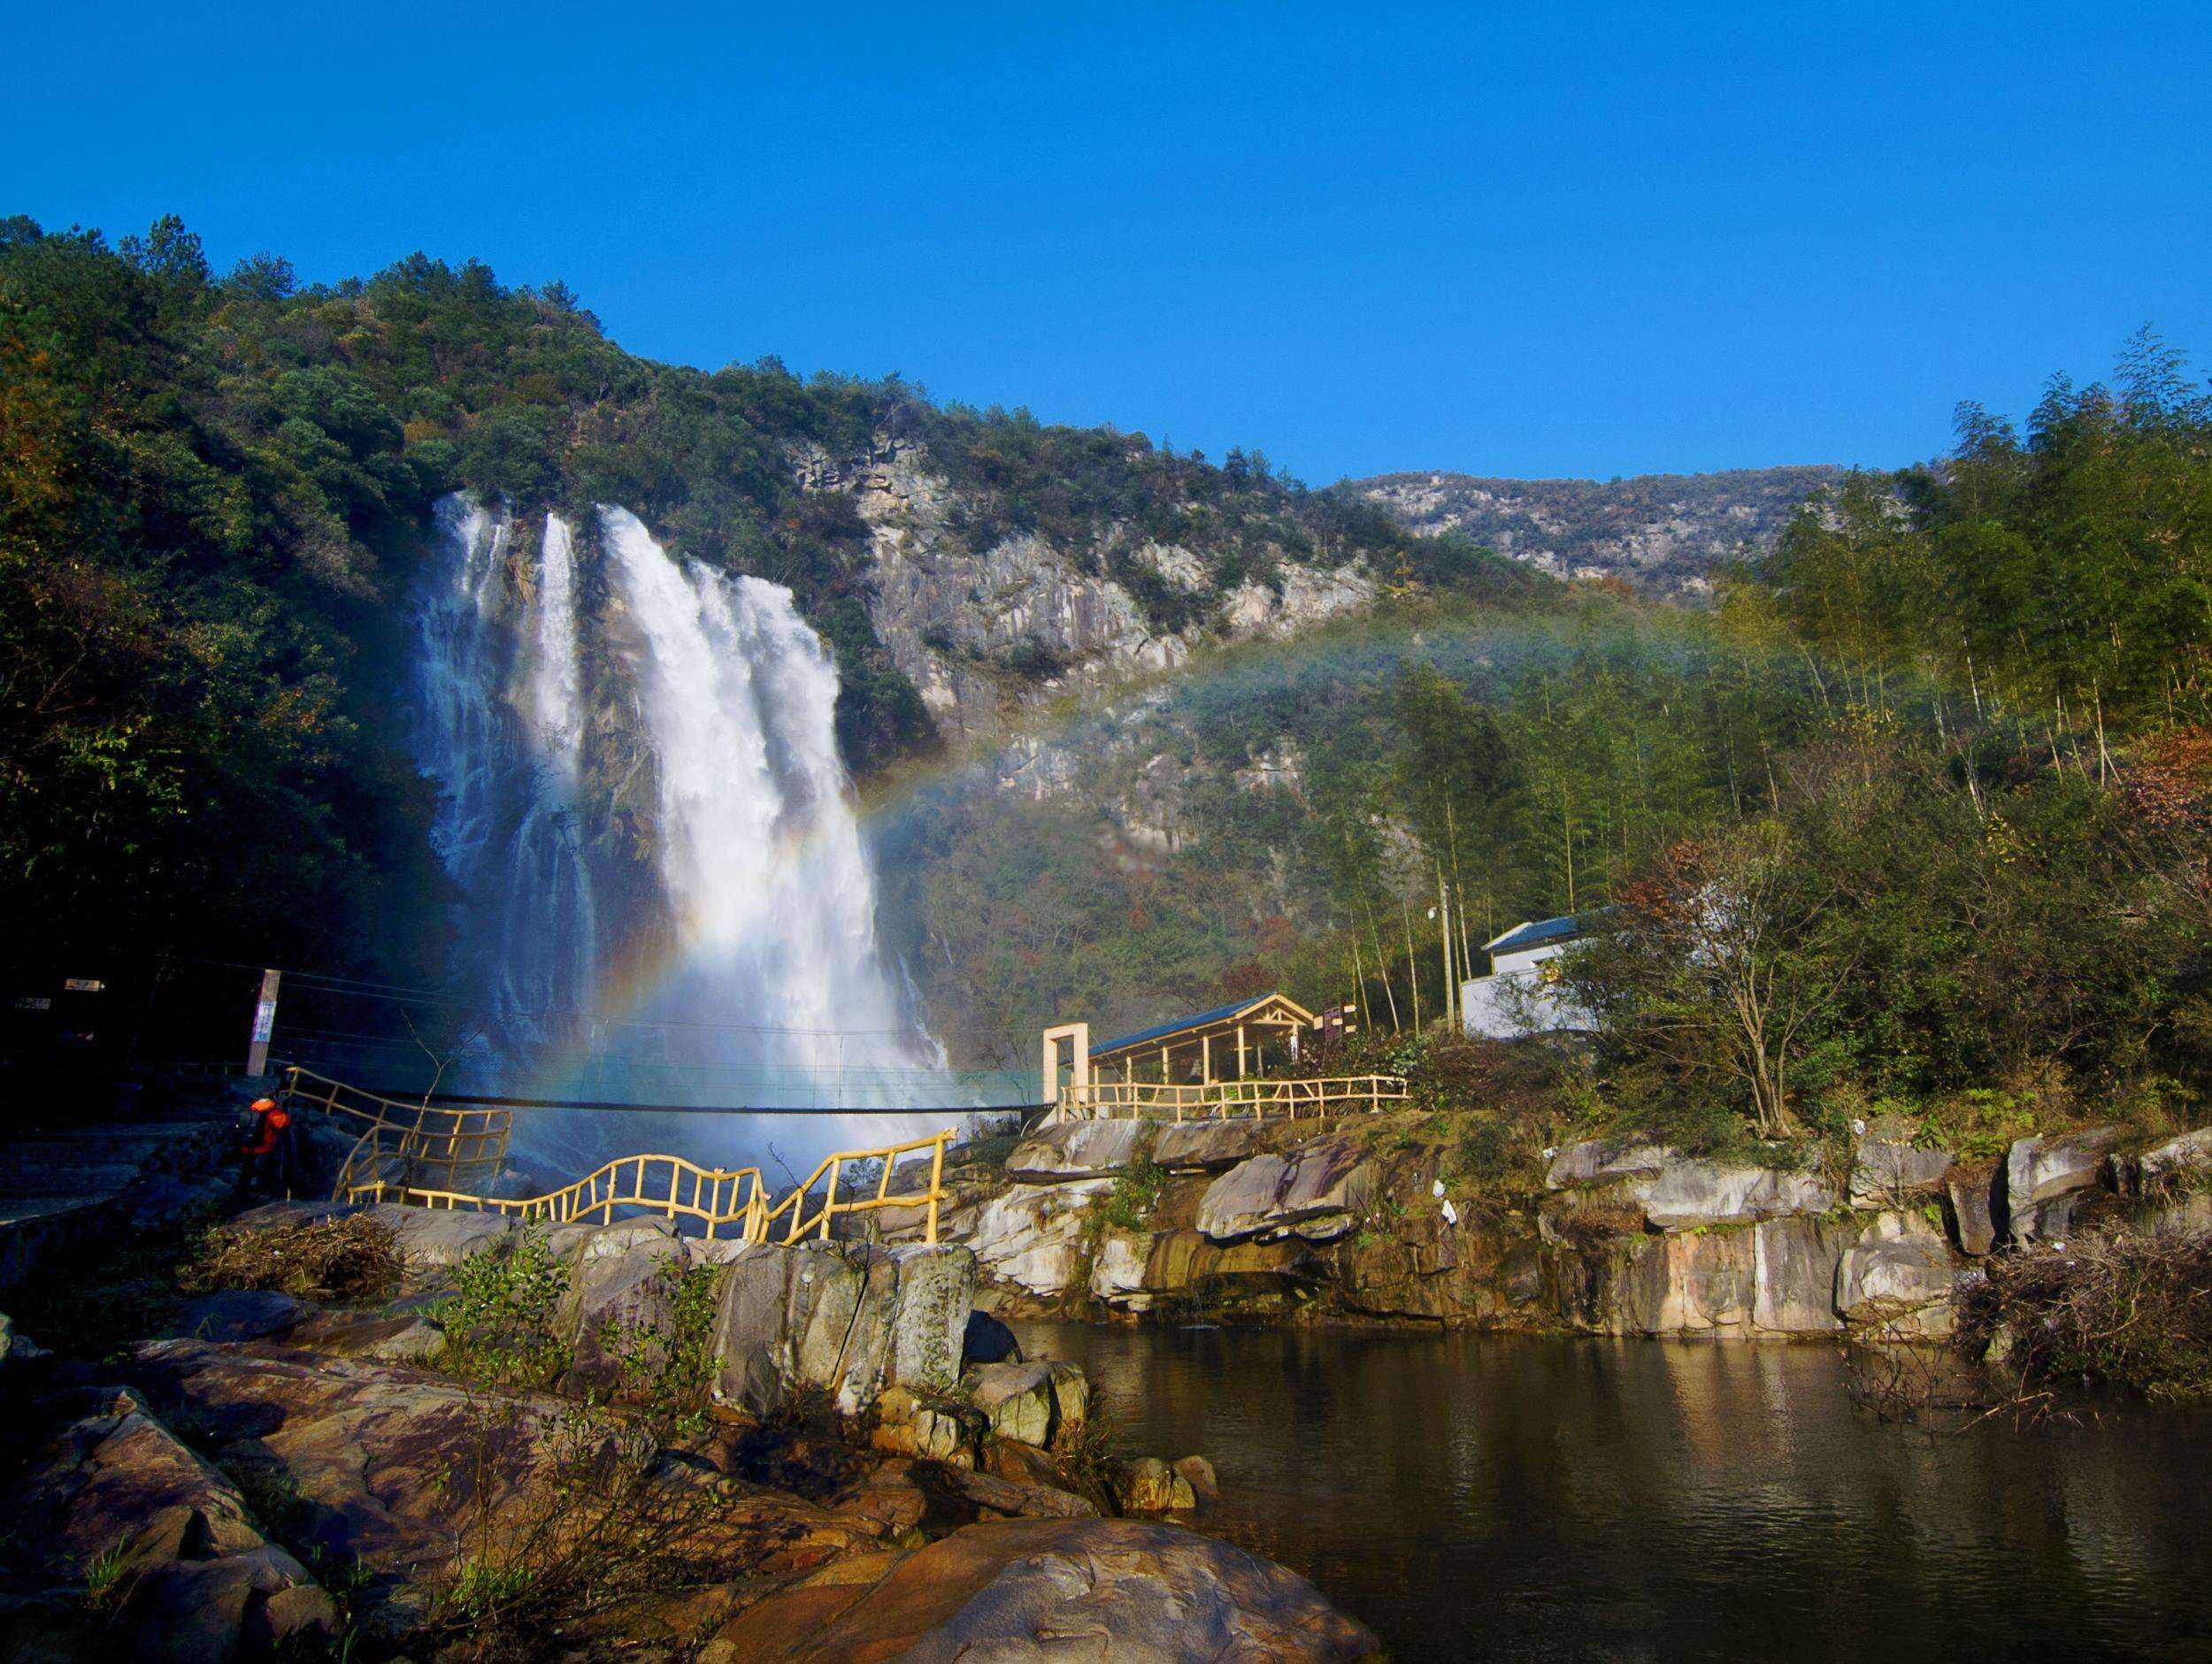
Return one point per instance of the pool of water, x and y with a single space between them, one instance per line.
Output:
1472 1495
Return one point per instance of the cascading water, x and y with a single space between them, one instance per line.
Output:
733 960
507 832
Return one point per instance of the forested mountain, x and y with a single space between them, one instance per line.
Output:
1136 727
214 491
1666 533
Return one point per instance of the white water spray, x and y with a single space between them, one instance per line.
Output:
771 988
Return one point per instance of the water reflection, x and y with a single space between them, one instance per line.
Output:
1501 1497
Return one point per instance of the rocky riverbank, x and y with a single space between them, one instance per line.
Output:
1375 1217
596 1441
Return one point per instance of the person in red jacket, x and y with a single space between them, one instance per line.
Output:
267 1148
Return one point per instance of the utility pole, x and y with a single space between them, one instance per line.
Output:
1444 935
263 1023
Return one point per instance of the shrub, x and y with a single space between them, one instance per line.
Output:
1136 1192
2130 1308
349 1259
500 1321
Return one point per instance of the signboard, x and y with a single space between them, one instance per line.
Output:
1337 1021
83 985
263 1023
31 1003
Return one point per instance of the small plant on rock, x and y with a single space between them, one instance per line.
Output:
501 1322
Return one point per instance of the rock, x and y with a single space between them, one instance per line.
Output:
1689 1193
1121 1590
1208 1147
1031 1403
2190 1153
1078 1150
1603 1161
987 1340
1198 1473
843 1302
1687 1285
195 1578
371 1456
1793 1275
238 1315
1317 1191
849 1317
1018 1499
1974 1205
907 1425
432 1238
1148 1486
2046 1179
1899 1276
752 1341
1118 1271
1887 1169
935 1300
613 1295
1033 1235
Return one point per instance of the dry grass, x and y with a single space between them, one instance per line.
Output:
2128 1307
347 1259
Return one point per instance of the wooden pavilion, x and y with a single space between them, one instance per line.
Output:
1213 1063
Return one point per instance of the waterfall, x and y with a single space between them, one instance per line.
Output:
506 833
745 927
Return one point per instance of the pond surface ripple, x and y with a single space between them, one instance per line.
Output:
1481 1496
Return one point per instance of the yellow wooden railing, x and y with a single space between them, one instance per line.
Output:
1226 1100
717 1198
412 1143
831 1167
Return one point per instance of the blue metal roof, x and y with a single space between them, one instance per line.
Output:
1161 1030
1522 937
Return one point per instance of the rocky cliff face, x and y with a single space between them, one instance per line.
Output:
1369 1219
1662 533
984 630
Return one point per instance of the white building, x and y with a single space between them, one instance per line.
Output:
1522 995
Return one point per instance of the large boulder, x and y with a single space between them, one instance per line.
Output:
1317 1191
848 1318
395 1466
1687 1285
2048 1179
614 1294
431 1239
2180 1158
1032 1235
1793 1275
1030 1403
1211 1146
1974 1204
1888 1168
190 1574
1690 1194
1078 1150
1117 1270
1122 1589
1604 1161
1898 1278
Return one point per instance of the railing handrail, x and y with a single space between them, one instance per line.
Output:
1215 1098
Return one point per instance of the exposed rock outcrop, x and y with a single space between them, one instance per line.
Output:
2046 1180
1316 1191
1108 1589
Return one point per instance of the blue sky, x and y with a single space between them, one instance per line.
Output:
1513 239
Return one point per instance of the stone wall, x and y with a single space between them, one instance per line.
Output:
1363 1217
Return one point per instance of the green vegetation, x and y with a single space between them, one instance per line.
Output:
502 1321
214 492
1917 819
